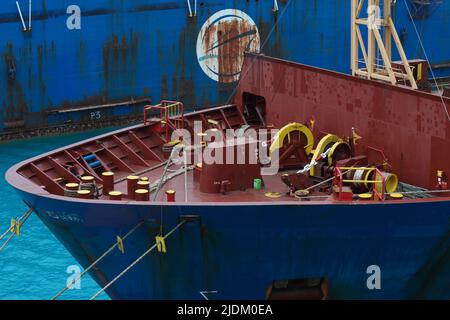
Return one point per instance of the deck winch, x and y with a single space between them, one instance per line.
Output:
335 148
360 180
291 145
333 156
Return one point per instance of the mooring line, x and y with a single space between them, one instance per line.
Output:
11 229
67 287
6 242
18 224
324 181
136 262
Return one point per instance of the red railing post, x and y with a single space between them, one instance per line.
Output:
168 109
337 181
382 195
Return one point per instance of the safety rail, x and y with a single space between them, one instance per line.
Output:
171 115
339 181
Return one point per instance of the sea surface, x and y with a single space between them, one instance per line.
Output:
34 266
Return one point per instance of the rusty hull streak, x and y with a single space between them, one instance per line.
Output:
231 38
120 57
15 101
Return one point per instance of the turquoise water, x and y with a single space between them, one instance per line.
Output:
33 266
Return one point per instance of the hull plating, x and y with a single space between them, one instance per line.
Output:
239 250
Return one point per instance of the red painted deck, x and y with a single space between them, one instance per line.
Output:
411 128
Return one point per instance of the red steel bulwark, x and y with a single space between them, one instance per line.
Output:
411 127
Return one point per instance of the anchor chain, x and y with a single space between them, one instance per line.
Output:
314 162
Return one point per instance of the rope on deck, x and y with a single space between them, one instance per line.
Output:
422 192
427 192
324 181
136 261
67 287
16 224
155 187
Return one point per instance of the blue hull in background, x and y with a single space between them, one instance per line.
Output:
239 250
102 67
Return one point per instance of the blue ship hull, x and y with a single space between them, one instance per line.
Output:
124 51
238 250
